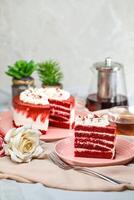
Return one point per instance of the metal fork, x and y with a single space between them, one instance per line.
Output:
62 164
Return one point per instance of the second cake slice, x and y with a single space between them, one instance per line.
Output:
94 137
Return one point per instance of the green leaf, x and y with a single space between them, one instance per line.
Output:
21 69
49 72
13 74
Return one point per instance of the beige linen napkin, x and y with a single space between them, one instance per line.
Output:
45 172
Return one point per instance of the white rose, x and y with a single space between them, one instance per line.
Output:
22 144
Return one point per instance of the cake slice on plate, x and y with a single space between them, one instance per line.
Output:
94 137
62 106
38 107
31 108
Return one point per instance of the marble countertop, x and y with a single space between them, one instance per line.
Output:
11 190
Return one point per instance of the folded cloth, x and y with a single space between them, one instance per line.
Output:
45 172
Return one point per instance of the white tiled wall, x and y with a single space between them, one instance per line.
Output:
74 32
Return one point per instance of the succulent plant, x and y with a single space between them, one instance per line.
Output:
50 72
21 69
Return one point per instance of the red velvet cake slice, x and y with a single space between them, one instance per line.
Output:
62 106
31 108
94 137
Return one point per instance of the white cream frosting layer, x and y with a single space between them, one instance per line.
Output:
56 94
41 95
34 96
91 120
21 119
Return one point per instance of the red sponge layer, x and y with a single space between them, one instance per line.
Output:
94 154
106 129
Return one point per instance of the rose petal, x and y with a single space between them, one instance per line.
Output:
17 138
14 157
9 134
20 154
5 147
32 133
38 151
32 136
27 160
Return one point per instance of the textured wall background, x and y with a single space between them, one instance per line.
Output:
74 32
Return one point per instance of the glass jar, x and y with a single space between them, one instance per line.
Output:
108 87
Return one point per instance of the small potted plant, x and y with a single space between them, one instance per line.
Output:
50 74
21 73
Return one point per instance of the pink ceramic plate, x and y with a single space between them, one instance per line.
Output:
124 154
52 134
56 134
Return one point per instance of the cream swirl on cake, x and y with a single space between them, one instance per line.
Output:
56 94
91 120
34 96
